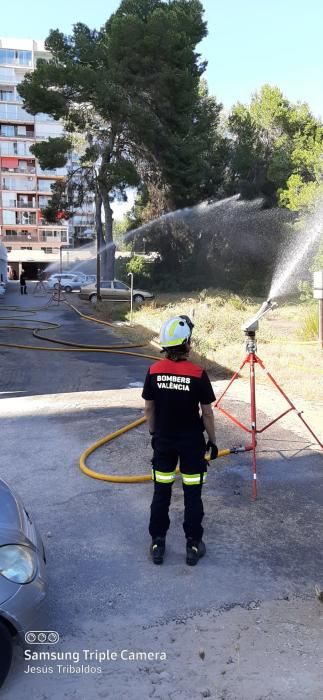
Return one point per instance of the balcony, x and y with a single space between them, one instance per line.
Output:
8 77
12 97
16 204
21 186
47 190
20 238
56 172
11 57
25 171
47 224
53 240
5 134
15 113
21 151
23 218
26 205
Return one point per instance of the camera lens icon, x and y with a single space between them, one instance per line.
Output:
53 637
31 637
42 637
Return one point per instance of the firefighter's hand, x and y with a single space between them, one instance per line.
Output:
212 449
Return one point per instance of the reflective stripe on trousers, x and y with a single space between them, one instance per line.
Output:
193 479
163 477
169 478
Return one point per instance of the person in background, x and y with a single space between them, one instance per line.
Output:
23 285
175 391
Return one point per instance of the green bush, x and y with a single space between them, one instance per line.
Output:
237 303
141 269
138 266
310 327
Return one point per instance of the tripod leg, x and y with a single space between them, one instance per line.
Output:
292 406
253 415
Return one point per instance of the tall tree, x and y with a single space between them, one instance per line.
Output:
133 90
277 148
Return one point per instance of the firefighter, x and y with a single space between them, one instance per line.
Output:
174 391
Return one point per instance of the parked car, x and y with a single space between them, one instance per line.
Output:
22 574
114 291
89 279
68 280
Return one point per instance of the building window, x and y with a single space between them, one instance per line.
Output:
7 130
45 185
7 95
13 112
8 217
8 200
21 185
25 218
12 130
13 57
43 201
18 148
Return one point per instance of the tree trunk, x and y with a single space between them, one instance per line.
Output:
109 249
99 238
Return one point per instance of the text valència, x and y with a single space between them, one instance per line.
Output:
166 381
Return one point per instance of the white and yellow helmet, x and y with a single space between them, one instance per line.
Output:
176 331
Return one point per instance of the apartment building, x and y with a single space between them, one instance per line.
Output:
25 188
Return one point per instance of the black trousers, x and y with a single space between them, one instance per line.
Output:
189 451
23 289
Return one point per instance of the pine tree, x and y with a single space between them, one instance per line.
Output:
133 91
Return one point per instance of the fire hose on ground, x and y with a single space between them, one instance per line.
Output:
38 332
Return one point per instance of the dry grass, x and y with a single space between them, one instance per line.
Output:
218 341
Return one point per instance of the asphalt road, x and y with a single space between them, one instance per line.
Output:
104 593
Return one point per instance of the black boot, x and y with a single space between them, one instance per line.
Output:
194 551
157 549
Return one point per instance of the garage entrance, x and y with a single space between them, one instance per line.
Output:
33 269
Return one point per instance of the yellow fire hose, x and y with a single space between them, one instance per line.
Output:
77 347
124 478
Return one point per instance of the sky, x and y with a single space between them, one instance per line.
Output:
249 43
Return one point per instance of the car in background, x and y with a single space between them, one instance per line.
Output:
22 574
89 279
114 290
67 280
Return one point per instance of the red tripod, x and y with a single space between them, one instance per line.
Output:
252 359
